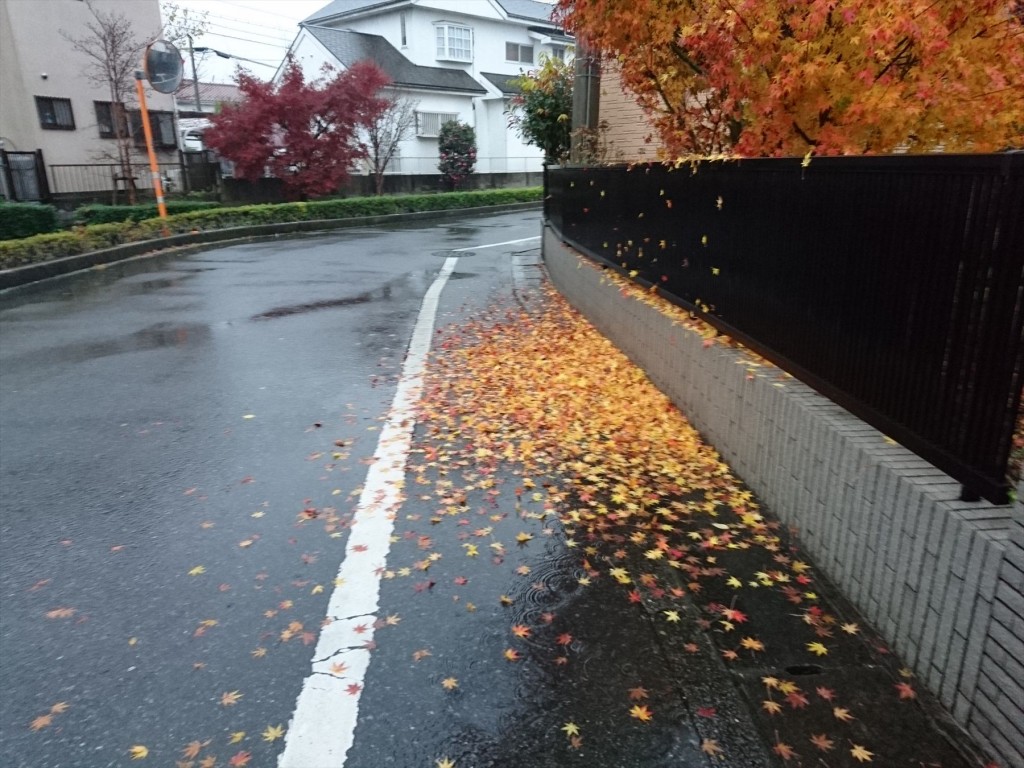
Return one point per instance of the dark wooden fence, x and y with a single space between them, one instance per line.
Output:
893 285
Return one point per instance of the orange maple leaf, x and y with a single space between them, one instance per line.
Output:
783 750
229 699
906 691
822 742
240 759
41 722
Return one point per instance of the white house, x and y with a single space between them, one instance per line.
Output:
453 57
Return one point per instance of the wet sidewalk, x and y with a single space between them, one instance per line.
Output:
657 614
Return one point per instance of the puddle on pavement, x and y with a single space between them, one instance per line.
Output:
412 284
158 336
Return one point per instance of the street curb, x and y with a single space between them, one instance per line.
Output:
31 273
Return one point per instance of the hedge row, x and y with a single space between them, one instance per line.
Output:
111 214
84 239
26 220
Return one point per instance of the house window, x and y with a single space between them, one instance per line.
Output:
454 42
105 116
162 125
401 21
55 114
517 52
429 123
558 52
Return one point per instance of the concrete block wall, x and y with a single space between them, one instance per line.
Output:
942 580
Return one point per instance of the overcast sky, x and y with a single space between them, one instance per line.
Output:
260 30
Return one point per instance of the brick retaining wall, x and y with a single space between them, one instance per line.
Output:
942 580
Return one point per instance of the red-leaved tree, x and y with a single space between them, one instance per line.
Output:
304 133
785 77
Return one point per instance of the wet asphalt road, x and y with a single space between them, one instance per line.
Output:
165 424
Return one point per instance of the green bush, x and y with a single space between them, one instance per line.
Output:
111 214
83 239
26 220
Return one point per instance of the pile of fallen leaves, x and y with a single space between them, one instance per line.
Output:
606 461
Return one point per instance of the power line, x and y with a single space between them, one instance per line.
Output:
283 40
247 40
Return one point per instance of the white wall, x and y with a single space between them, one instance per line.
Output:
32 45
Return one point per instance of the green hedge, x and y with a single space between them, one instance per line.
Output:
26 219
83 239
111 214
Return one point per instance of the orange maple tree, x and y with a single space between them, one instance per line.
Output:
788 77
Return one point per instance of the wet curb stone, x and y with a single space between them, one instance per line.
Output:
192 242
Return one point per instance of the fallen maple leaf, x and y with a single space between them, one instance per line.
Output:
520 630
783 750
229 699
450 683
822 742
273 732
236 737
641 713
444 762
710 747
138 752
240 759
817 648
511 654
860 754
60 613
41 722
843 714
771 707
906 691
199 569
193 748
571 729
59 707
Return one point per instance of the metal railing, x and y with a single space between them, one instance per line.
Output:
893 285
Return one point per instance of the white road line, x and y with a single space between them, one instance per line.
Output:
495 245
323 725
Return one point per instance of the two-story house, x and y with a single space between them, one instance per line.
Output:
52 108
453 58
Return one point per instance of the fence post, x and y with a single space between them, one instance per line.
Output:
41 179
8 177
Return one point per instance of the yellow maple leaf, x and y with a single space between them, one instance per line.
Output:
444 762
843 714
236 737
273 732
710 747
450 683
571 729
672 616
138 752
771 707
641 713
860 754
752 644
817 648
199 569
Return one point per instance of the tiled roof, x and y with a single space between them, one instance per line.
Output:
519 9
505 83
209 92
349 47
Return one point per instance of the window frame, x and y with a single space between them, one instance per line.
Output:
51 102
519 52
122 114
441 117
156 124
446 28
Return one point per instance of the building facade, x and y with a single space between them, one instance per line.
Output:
453 59
49 105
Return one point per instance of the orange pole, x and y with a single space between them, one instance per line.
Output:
154 168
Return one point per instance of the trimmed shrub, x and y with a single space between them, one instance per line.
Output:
83 239
26 219
111 214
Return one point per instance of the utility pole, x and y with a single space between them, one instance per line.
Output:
195 79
